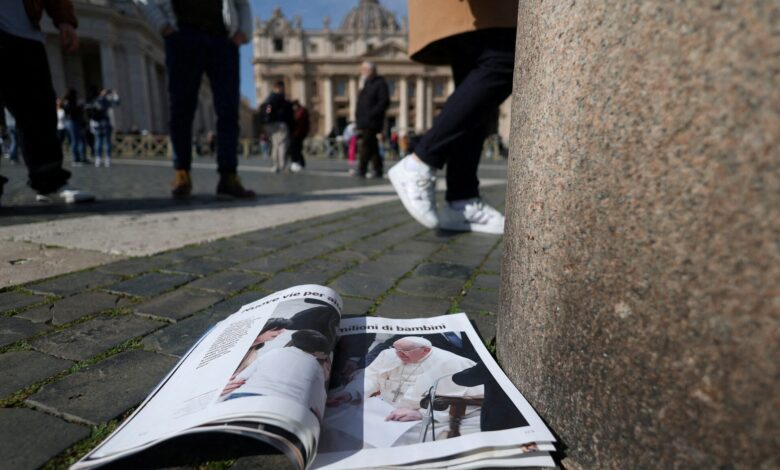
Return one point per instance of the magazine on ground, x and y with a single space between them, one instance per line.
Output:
288 374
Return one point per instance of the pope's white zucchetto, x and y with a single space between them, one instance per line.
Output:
417 340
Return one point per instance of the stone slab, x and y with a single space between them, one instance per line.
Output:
446 270
241 254
356 306
28 438
398 305
200 266
13 329
92 337
134 266
486 325
269 264
72 308
149 285
360 285
178 304
87 395
226 282
177 339
391 266
264 462
487 281
73 283
15 300
479 301
431 286
23 368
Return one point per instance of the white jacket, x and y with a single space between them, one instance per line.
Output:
236 14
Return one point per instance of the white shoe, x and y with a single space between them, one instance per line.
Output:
476 216
417 190
66 194
107 164
97 163
295 167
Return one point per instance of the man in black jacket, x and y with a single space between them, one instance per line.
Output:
277 117
370 116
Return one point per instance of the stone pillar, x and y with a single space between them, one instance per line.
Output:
639 298
403 106
419 105
156 123
139 84
450 86
428 104
327 105
108 65
353 94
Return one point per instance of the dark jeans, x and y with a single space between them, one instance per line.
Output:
103 143
296 151
188 54
482 69
28 93
369 150
77 141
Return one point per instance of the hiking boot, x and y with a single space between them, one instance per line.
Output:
181 186
230 186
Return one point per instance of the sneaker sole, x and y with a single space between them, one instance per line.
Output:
467 227
391 175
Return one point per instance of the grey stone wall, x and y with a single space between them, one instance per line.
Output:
640 306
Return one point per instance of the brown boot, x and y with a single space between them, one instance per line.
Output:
230 186
181 184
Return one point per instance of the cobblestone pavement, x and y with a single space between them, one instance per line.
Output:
78 352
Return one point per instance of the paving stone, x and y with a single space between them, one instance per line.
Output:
264 462
269 264
241 254
391 266
487 281
414 247
74 283
455 256
437 236
493 264
231 305
196 251
200 266
92 337
325 267
355 306
149 285
478 301
88 395
28 438
177 304
446 270
398 305
72 308
350 256
265 240
284 280
431 286
23 368
361 285
177 339
134 266
227 281
14 300
13 329
486 325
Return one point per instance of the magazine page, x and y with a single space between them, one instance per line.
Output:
268 364
427 385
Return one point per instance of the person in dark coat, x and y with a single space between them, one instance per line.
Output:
300 130
277 118
372 105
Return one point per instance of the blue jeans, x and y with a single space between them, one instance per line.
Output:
76 138
189 53
103 143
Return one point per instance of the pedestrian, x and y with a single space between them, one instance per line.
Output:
100 124
277 118
62 132
27 91
74 125
299 133
13 138
373 100
203 37
477 39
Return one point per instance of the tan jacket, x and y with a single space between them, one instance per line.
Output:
433 20
60 11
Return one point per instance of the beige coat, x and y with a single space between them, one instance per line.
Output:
433 20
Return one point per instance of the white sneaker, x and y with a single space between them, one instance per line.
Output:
66 194
97 162
417 190
107 164
295 167
476 216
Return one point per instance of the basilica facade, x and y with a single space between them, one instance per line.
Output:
320 68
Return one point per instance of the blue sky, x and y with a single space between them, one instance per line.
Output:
312 12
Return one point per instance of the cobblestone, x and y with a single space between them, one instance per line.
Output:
74 283
134 266
479 301
105 390
431 286
226 282
361 285
14 300
14 329
149 285
178 304
19 451
200 266
71 308
487 281
408 306
23 368
450 271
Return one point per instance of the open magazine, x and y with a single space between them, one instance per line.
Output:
287 374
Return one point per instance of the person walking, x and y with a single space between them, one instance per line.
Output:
74 125
277 116
203 37
477 39
372 103
100 124
299 132
27 91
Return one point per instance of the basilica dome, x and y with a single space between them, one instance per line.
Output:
370 16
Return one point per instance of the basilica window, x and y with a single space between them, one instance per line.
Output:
278 45
313 47
339 46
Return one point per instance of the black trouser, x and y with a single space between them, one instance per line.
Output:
296 151
482 69
25 84
369 150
